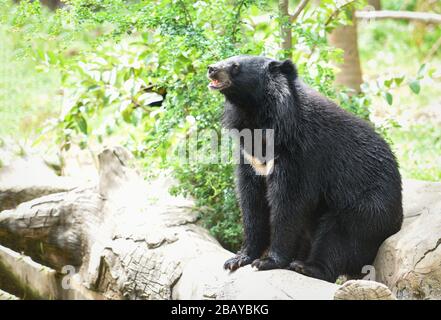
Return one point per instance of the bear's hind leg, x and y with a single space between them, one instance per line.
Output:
335 252
303 247
326 259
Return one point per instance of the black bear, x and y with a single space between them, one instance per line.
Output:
333 192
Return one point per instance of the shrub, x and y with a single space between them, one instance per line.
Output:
137 71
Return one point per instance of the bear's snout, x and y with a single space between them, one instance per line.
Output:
212 70
218 74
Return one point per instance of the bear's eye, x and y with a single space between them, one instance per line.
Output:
235 68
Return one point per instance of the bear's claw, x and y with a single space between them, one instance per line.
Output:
238 261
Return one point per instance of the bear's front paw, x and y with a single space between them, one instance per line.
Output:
267 263
238 261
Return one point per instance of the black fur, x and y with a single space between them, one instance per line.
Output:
335 192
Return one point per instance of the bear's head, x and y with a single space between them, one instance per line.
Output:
250 77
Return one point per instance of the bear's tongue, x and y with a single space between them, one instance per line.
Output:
215 82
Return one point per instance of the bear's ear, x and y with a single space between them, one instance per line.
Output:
286 67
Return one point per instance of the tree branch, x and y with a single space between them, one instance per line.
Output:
298 10
337 11
427 17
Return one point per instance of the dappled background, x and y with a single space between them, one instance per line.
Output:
78 74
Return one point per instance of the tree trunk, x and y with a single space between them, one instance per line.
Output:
345 38
123 239
285 28
52 4
376 4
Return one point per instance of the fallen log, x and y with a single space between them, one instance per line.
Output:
123 239
24 179
409 261
6 296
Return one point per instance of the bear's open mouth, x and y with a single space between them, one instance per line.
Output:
216 84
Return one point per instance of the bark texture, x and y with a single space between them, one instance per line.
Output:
376 4
125 239
121 238
345 38
409 261
285 28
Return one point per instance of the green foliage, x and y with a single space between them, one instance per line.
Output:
419 150
213 187
106 90
166 49
147 48
383 86
118 59
18 75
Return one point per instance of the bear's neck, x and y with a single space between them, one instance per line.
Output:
246 116
271 111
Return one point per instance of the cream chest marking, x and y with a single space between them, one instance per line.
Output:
260 167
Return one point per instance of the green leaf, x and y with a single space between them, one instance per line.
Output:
388 97
388 83
83 144
415 86
66 146
422 71
127 114
399 80
82 124
93 87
